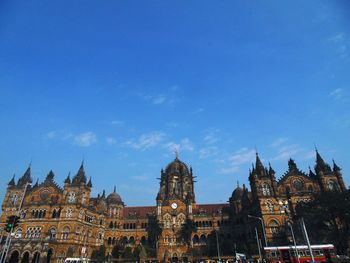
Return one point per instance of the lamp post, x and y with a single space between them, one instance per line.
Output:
262 225
217 244
9 236
295 244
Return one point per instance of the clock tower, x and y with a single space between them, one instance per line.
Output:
175 202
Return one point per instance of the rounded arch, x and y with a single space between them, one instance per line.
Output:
274 226
131 240
143 240
36 257
25 257
49 255
109 241
14 258
195 239
203 239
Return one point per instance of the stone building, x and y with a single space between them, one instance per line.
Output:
58 222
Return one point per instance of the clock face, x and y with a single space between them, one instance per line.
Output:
174 205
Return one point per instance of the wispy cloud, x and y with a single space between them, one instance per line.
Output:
146 141
141 178
51 135
337 94
85 139
235 160
340 42
287 151
211 136
184 145
111 140
208 152
117 122
278 142
197 111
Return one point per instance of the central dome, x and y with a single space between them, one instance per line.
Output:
114 198
177 166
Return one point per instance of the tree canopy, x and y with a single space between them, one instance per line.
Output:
327 218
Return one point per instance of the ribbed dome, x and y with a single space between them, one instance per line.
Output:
177 166
114 198
237 194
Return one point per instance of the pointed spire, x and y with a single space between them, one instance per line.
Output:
67 181
80 176
12 182
50 176
336 168
237 184
259 167
103 194
115 189
311 173
321 165
176 154
36 183
271 170
26 178
89 184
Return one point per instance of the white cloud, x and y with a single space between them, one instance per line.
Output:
184 145
117 122
211 136
233 161
340 42
229 170
287 151
158 99
51 135
337 94
111 140
146 141
140 178
242 156
208 152
85 139
278 142
197 111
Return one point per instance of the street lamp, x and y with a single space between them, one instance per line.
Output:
295 244
262 225
9 236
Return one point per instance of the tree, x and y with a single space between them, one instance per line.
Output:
186 231
154 231
117 250
327 218
99 254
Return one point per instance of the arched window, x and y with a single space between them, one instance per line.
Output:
18 233
274 227
109 241
65 233
53 233
195 239
69 213
131 240
270 207
332 185
266 189
203 239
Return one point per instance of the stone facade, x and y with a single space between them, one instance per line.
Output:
63 222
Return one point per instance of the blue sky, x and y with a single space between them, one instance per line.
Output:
122 84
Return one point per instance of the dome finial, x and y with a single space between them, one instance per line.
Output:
237 183
176 153
115 189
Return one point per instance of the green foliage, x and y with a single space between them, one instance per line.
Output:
99 254
327 218
127 253
117 250
154 231
187 229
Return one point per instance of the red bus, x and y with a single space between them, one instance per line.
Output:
288 254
